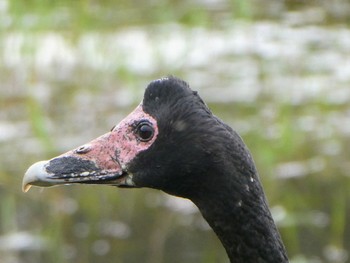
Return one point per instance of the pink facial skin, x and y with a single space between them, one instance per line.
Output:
113 151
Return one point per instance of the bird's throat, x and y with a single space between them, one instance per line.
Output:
244 225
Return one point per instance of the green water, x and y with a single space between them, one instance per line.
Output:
276 71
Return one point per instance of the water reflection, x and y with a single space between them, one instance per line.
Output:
22 241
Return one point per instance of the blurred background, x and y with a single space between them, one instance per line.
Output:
277 71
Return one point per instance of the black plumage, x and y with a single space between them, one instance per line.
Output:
173 142
197 156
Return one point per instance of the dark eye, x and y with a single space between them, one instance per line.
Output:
144 131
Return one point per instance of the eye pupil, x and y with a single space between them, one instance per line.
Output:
145 131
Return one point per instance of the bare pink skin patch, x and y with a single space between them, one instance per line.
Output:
103 160
113 151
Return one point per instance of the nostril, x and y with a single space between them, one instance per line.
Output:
83 149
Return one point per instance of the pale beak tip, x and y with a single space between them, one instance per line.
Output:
33 175
25 188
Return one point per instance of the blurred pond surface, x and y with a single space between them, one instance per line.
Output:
279 73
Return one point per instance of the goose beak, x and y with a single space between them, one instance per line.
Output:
43 174
93 163
37 175
104 160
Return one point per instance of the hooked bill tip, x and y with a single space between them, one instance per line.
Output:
25 188
33 175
